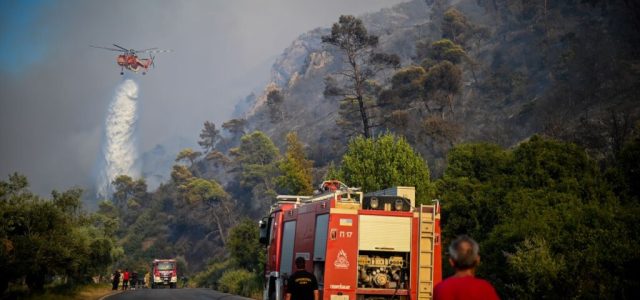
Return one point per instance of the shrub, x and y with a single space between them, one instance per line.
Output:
239 282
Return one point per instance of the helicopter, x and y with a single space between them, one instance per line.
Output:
129 59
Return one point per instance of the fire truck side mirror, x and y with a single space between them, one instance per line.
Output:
264 230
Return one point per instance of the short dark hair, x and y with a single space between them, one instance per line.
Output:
464 252
300 261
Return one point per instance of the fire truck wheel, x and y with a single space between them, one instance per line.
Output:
173 286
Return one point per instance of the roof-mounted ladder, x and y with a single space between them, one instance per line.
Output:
426 253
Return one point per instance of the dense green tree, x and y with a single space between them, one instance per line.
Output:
209 137
481 161
295 169
441 50
255 169
244 247
202 190
255 148
41 238
407 87
435 85
408 82
384 162
351 38
464 188
211 195
16 185
107 209
69 201
129 192
545 218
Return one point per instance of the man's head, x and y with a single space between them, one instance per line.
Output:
300 263
464 253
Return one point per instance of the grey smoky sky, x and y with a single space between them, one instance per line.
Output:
55 89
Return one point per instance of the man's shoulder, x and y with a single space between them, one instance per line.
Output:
303 273
463 279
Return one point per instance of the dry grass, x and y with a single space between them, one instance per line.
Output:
86 292
93 292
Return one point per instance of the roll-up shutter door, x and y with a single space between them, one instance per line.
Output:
384 233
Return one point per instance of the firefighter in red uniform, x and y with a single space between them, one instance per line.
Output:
125 279
464 257
302 285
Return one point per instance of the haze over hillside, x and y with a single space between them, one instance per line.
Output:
560 70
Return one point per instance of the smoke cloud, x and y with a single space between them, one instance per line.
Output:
119 151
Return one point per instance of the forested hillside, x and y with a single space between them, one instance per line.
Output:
469 70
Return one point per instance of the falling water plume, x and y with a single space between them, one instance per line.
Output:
119 147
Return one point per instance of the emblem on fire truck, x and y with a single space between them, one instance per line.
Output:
341 261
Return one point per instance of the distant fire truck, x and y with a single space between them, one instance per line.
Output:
373 246
165 273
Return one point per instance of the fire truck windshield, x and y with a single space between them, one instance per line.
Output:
165 266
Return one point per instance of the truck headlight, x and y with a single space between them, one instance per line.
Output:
399 204
374 203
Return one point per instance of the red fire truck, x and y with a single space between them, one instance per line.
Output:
165 273
373 246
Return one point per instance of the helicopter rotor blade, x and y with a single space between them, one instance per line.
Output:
111 49
146 50
123 48
158 51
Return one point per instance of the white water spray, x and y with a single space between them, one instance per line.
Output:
119 148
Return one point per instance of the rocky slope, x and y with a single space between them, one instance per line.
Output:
537 69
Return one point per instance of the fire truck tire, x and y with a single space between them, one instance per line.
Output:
173 286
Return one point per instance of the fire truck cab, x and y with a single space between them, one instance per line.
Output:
373 246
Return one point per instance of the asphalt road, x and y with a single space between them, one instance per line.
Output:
173 294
